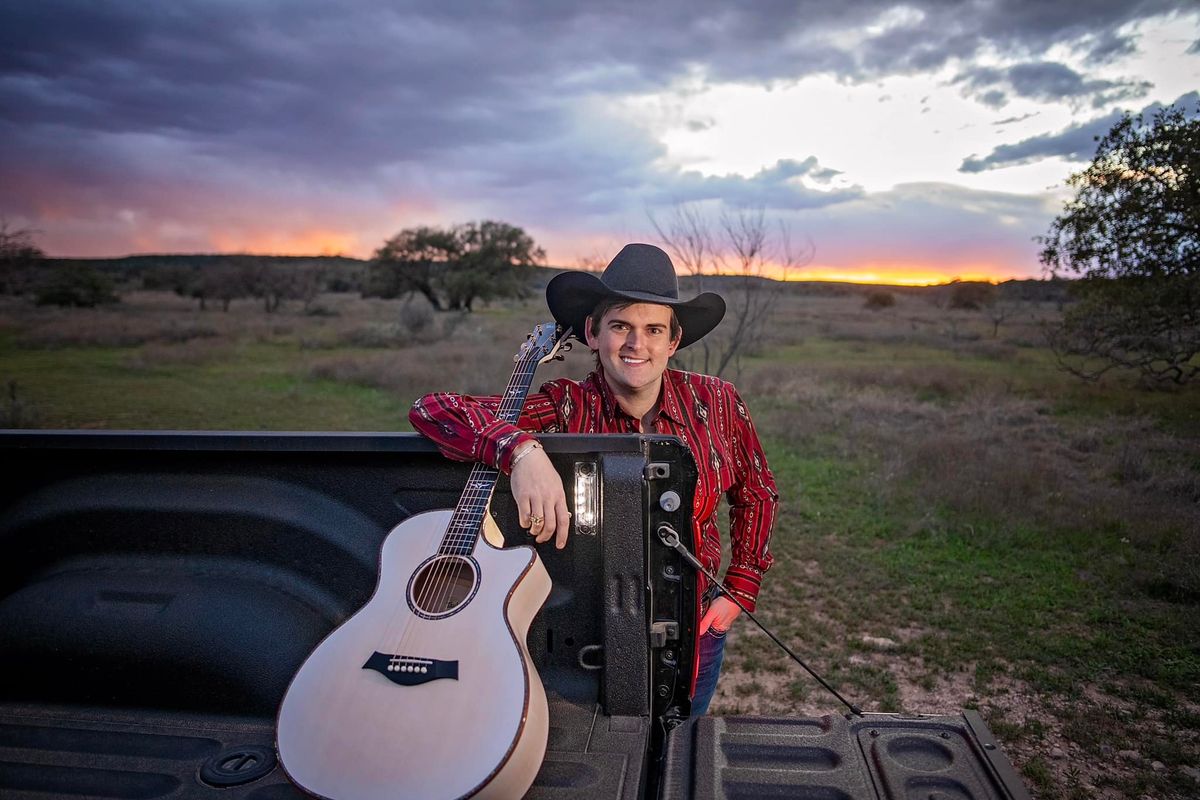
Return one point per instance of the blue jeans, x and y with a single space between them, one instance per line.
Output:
712 653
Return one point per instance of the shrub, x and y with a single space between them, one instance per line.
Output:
972 296
75 287
416 319
879 299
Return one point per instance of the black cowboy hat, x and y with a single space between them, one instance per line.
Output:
640 273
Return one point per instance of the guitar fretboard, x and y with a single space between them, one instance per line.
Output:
467 521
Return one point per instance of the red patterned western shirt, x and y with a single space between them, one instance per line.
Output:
705 412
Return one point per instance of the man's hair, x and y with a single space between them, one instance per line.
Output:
616 304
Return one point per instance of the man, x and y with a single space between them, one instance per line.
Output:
633 320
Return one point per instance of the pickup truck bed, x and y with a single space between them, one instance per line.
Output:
158 591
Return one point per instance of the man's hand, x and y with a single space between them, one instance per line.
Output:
720 615
541 500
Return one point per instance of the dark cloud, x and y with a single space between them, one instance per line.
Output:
1046 81
1109 46
307 77
778 187
1011 120
993 98
1075 143
493 107
937 33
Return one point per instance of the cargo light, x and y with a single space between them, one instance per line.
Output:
587 498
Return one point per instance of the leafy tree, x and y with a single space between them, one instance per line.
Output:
1132 236
497 261
270 282
971 295
174 277
78 286
412 262
19 256
453 268
224 281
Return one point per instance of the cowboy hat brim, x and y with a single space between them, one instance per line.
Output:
572 296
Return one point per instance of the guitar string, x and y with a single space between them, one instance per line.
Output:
431 594
441 580
466 523
402 622
481 485
473 512
435 576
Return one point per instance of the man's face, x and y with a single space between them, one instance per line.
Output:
634 345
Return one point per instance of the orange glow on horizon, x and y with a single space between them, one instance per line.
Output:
899 274
312 242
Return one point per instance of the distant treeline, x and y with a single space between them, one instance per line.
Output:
222 278
341 274
1030 290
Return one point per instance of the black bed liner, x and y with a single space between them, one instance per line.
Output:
158 590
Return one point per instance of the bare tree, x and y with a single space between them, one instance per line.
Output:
737 252
1001 311
689 235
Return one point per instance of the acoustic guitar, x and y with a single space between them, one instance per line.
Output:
428 691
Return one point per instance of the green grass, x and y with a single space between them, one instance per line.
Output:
1028 372
1056 602
260 387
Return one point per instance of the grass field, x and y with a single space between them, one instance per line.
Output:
964 524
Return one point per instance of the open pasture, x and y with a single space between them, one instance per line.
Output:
964 525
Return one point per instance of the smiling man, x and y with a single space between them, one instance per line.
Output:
633 320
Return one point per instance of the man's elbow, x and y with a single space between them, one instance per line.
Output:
420 415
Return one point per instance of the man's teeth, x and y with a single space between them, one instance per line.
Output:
629 360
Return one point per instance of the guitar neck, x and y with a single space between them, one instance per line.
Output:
467 522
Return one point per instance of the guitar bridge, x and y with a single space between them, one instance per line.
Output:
411 670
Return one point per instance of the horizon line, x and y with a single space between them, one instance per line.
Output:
865 277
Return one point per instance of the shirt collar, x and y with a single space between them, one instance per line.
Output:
668 400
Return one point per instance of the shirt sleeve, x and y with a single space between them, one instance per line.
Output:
753 505
466 428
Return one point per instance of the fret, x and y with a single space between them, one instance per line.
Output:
467 521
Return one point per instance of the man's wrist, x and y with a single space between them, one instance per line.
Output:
522 451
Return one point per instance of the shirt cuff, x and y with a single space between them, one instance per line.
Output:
744 583
505 454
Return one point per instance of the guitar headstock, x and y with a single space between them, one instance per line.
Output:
547 341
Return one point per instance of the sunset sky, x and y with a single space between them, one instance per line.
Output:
909 142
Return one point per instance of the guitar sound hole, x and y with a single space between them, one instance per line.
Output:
442 585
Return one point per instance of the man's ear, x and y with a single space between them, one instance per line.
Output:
675 344
587 333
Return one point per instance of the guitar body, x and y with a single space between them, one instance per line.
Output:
428 691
